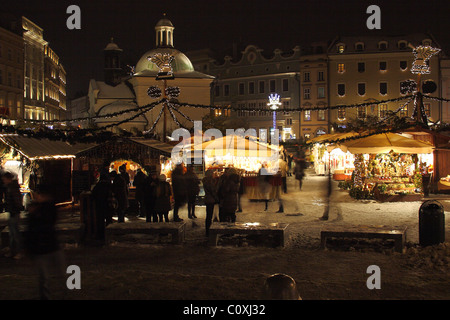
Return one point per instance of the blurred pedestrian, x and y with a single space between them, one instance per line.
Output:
211 199
193 189
101 193
139 183
41 241
120 193
283 169
150 196
13 202
229 195
264 185
299 171
240 192
163 194
179 190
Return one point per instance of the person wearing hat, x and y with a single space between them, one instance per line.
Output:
163 192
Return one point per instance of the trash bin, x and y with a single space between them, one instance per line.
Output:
431 223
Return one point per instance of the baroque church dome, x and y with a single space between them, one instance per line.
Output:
164 44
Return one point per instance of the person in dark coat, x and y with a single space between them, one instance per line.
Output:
299 171
150 197
101 193
229 195
163 192
193 189
41 241
179 190
13 201
210 187
139 183
119 189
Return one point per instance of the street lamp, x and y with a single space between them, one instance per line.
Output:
274 103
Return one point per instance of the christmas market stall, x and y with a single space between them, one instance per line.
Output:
339 162
133 153
388 167
40 161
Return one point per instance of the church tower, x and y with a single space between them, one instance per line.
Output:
113 71
164 33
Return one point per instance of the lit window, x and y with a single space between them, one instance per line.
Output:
321 115
307 115
361 112
404 110
382 110
341 67
341 114
340 48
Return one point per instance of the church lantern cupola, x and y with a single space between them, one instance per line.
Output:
164 33
113 71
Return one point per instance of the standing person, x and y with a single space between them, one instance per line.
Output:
229 199
240 192
101 192
163 194
13 201
179 190
264 186
139 183
290 157
41 240
193 189
210 187
299 171
283 169
150 197
120 192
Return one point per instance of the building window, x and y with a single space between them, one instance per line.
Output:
241 88
382 110
321 115
272 86
341 89
340 48
289 121
217 91
261 87
286 104
404 110
382 45
402 45
306 93
285 84
383 88
359 46
383 65
361 67
361 113
307 115
341 114
427 109
403 65
251 87
226 90
10 79
306 77
320 92
320 76
341 68
361 89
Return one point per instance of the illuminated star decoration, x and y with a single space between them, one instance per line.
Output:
163 62
422 54
274 103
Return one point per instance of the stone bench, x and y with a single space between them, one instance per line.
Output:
278 230
176 229
398 234
66 230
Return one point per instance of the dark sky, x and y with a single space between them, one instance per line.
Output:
215 24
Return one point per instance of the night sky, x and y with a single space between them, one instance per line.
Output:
216 25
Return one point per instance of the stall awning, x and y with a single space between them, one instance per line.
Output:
384 143
42 149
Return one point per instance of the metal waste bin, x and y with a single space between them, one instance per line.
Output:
431 223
